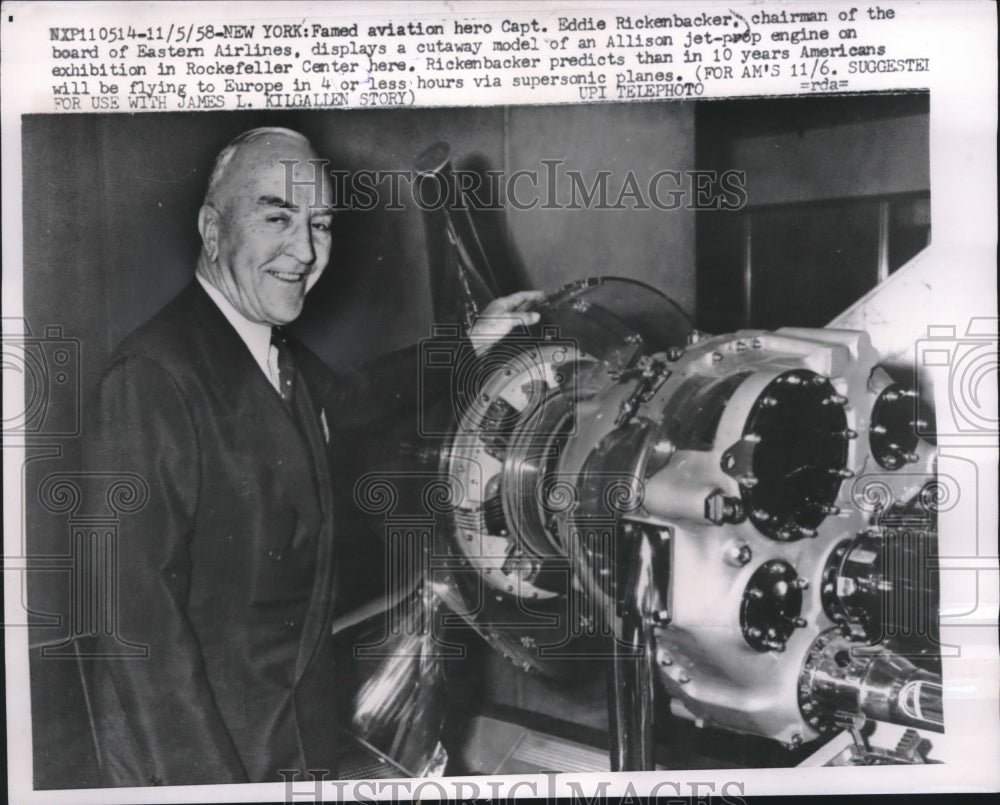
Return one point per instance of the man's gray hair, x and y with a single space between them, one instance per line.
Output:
227 154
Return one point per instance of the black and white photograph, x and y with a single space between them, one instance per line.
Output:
618 440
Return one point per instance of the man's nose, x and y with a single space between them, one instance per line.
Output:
300 245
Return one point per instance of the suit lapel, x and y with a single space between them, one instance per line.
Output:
316 434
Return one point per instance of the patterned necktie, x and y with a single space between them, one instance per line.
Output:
284 364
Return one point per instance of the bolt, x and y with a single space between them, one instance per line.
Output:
843 473
848 434
796 739
890 396
919 424
753 438
661 617
793 380
835 399
719 509
744 555
829 509
807 532
801 583
716 357
754 632
878 429
675 353
664 448
768 402
683 678
798 623
748 481
910 458
755 592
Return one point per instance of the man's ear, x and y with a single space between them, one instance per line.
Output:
208 226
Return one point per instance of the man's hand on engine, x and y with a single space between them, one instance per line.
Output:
501 316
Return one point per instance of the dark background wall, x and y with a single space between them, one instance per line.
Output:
817 168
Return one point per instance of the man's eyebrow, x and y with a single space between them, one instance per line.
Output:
276 201
285 204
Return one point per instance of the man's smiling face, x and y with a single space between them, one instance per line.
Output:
269 223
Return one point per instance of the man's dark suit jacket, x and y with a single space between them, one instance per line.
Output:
227 573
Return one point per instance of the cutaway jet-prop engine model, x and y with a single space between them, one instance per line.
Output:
742 523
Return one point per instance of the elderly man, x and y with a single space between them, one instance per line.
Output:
227 574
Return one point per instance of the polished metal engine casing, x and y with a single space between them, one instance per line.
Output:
702 657
608 453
